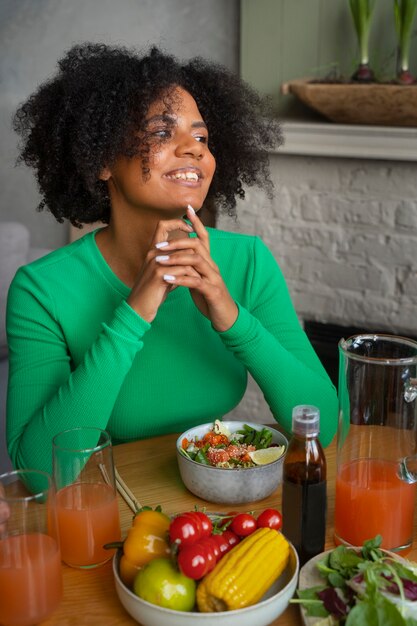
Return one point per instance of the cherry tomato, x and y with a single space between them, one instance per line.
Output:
270 518
185 530
197 521
213 548
192 561
222 544
211 551
196 560
206 523
215 440
243 524
231 538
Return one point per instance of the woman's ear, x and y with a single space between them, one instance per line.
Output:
105 174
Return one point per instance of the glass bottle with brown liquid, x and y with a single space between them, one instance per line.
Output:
304 498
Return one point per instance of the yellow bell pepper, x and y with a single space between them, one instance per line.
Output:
147 539
245 573
128 571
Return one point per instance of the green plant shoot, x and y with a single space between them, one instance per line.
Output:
362 11
405 12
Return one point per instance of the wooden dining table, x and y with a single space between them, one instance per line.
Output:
149 467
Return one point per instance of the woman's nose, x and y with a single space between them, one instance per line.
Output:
189 146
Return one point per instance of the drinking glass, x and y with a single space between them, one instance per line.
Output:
87 509
30 562
376 441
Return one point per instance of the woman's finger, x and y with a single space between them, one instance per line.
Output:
199 228
194 260
165 227
4 511
179 272
189 245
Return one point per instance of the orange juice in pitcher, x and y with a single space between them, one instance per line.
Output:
368 492
377 440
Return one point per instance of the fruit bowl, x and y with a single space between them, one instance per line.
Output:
230 486
274 602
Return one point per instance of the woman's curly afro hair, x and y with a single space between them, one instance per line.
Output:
95 109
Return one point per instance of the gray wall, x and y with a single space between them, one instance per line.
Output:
35 33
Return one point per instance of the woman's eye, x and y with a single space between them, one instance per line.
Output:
201 139
164 133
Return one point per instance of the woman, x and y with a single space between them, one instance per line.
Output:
150 324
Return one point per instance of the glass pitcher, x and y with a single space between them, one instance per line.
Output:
376 441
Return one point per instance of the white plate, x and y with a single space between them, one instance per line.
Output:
311 577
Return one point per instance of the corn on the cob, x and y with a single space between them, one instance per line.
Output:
245 573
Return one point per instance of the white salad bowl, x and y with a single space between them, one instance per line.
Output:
274 602
230 485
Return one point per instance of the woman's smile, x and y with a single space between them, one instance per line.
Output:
185 175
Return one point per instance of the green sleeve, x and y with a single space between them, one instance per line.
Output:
45 394
268 339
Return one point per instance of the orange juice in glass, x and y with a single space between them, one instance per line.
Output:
30 561
376 441
87 508
88 517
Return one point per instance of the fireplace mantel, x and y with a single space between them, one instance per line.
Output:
349 141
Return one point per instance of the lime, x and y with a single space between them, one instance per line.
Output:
266 455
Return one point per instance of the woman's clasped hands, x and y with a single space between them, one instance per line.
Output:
183 261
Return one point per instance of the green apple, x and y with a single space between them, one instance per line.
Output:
161 583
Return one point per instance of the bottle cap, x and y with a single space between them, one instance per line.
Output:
306 420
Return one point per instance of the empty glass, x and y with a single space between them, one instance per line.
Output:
87 508
30 562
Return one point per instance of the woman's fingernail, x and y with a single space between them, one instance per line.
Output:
162 257
190 209
169 278
162 244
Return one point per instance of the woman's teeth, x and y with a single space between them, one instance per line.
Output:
192 176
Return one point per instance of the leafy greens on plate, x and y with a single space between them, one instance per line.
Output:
362 587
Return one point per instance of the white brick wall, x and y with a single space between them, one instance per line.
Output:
344 232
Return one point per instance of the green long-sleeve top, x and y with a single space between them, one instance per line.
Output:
80 355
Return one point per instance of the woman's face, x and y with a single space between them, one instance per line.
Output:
181 167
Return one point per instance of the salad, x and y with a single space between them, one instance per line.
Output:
362 587
219 447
